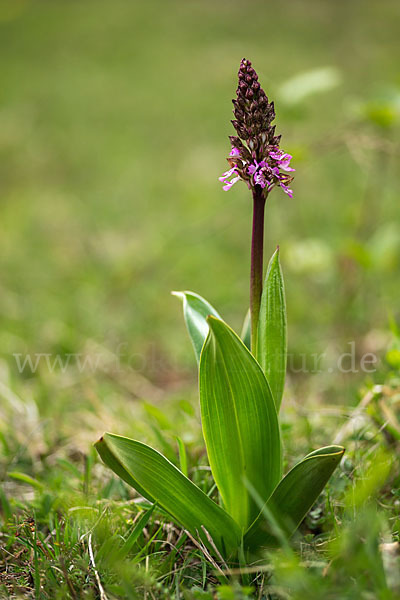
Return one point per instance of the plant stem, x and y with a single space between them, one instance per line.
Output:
256 270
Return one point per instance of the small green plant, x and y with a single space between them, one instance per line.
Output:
241 383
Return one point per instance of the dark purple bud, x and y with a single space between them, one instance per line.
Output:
239 114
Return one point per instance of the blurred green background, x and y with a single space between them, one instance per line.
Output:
114 119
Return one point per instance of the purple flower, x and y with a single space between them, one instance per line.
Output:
259 173
225 177
283 159
252 168
260 179
267 176
255 155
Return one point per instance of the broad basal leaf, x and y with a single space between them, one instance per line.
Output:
293 498
246 330
240 423
271 344
157 479
195 312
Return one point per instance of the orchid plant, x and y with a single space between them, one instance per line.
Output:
241 383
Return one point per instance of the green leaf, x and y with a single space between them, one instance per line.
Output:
246 330
157 479
271 346
293 498
195 312
240 423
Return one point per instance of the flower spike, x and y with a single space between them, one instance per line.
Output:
255 156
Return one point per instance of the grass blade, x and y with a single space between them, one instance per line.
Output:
135 533
26 479
272 335
195 312
239 420
148 471
293 498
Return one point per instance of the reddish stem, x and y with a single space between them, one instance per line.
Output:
256 270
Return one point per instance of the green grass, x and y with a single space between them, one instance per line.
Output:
113 131
70 502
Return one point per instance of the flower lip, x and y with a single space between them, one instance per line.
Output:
227 174
287 190
230 183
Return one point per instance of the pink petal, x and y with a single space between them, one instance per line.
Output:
284 162
287 190
227 174
230 183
